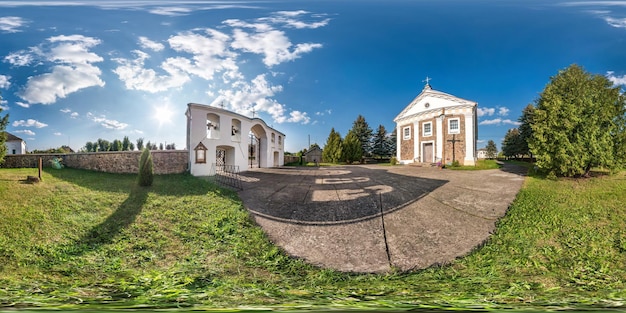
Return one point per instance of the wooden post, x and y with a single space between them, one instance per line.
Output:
40 165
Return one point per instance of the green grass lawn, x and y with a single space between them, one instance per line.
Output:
480 165
91 240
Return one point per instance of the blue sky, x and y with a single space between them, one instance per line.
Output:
76 71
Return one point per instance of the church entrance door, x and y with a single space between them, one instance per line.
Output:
427 152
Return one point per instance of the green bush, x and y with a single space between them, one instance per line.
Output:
146 168
393 161
455 163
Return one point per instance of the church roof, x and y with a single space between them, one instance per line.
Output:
438 99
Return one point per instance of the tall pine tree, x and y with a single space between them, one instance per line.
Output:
363 132
380 142
351 148
332 149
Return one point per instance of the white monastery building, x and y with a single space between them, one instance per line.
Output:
437 127
221 140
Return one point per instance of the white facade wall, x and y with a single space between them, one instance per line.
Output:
16 147
220 137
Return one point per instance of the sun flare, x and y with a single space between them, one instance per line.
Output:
163 115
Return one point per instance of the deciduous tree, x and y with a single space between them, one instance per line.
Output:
578 124
139 144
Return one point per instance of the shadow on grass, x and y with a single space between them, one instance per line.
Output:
125 214
174 185
167 185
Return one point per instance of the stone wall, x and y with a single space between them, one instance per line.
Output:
407 145
165 161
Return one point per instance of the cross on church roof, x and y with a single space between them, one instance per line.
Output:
428 79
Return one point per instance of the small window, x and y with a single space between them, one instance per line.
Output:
406 133
280 140
453 126
427 129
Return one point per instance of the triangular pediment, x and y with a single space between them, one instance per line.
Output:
429 101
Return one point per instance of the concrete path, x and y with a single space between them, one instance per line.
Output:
370 218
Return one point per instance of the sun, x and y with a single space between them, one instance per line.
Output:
163 115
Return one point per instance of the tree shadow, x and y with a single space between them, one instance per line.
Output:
125 214
331 196
168 185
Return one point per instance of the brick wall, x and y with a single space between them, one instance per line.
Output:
165 161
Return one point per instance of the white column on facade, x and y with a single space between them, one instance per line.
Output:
469 140
398 142
416 142
439 139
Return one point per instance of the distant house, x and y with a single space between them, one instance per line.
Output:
313 155
482 153
15 145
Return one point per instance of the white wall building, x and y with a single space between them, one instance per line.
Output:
218 139
15 145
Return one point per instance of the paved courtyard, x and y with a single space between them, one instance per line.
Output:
370 218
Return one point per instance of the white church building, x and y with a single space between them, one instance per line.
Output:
222 140
437 127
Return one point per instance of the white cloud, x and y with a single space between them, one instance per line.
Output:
22 104
146 43
57 134
107 123
20 58
136 77
170 11
73 72
74 115
485 111
325 112
11 24
244 97
65 110
272 44
287 18
616 22
298 117
25 131
502 111
3 107
499 121
616 80
29 123
4 81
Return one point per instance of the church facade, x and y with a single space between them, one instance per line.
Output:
437 128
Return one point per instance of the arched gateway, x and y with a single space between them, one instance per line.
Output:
221 139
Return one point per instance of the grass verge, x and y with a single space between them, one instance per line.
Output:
83 239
